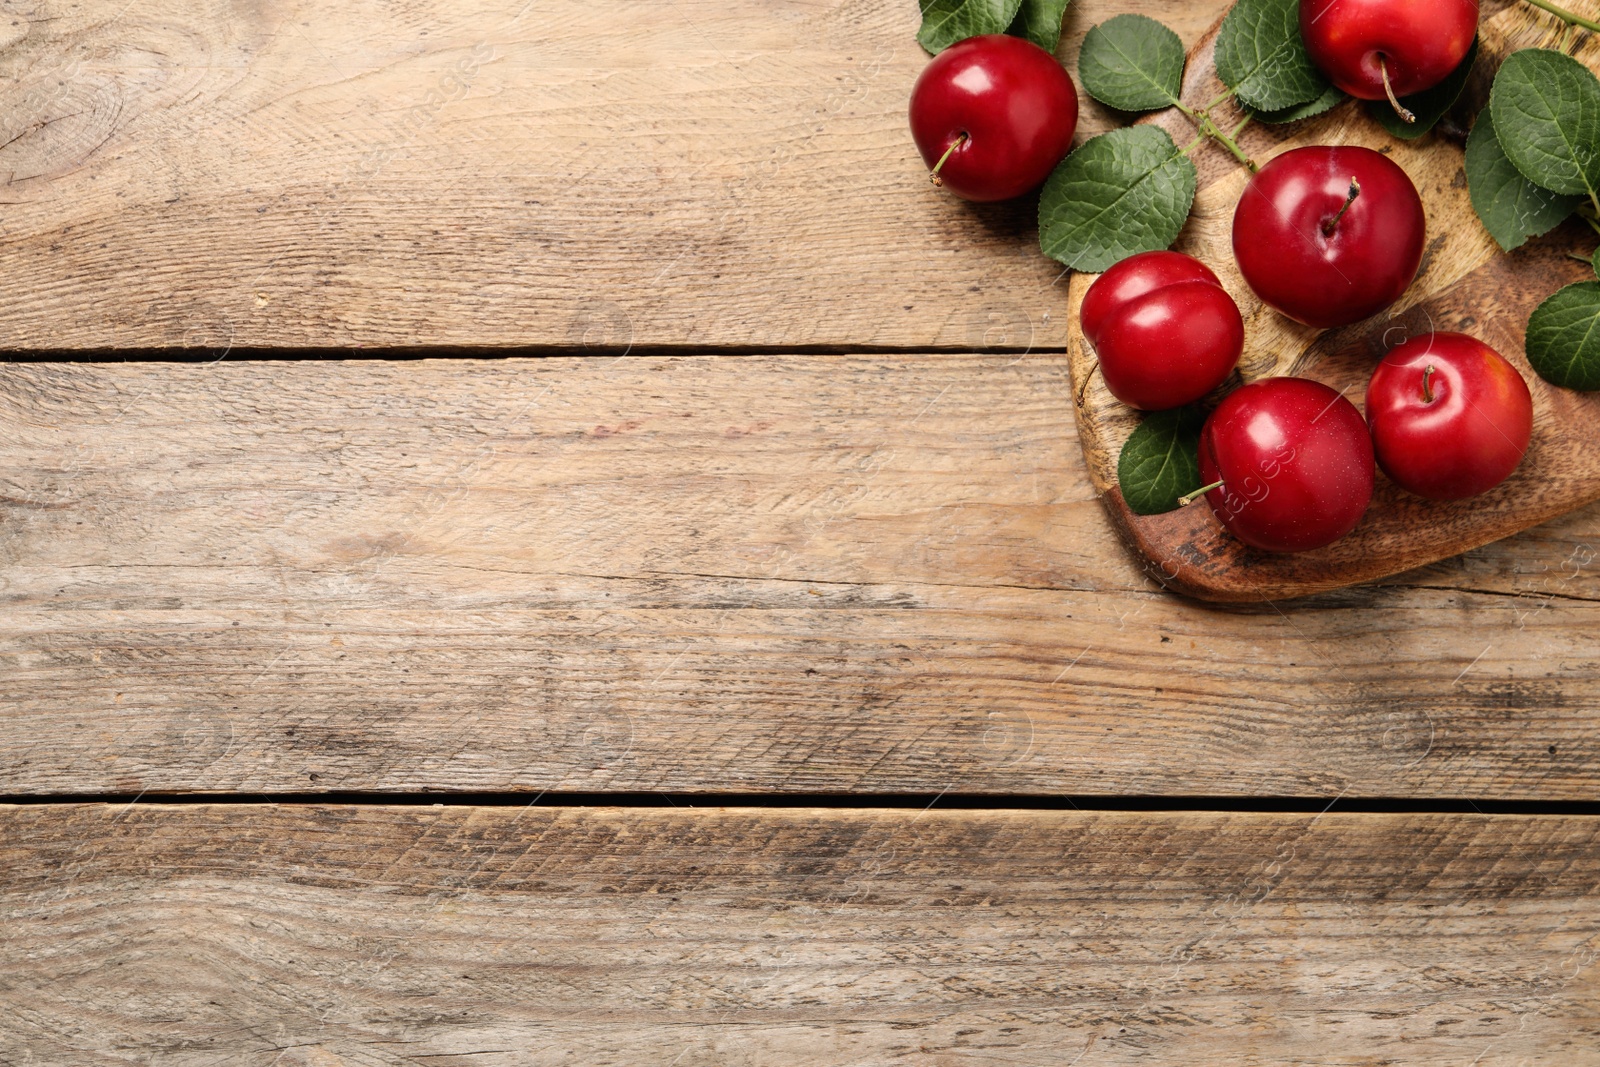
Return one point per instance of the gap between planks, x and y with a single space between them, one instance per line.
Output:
498 352
1155 803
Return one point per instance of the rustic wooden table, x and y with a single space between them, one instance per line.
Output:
531 534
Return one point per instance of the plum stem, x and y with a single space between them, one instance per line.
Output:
1568 17
933 175
1427 393
1332 224
1226 140
1394 101
1185 501
1209 128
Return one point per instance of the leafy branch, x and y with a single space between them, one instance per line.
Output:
1566 16
1532 163
1134 63
1130 190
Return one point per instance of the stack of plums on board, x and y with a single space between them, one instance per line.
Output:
1328 235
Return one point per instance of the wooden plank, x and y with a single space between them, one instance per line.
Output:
431 172
704 574
318 936
1466 283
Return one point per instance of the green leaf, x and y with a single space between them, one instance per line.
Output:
1595 263
1564 337
1331 98
1262 58
1511 207
1429 105
1122 192
1132 63
944 22
1161 460
1547 112
1040 22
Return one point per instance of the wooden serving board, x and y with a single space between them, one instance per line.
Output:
1465 283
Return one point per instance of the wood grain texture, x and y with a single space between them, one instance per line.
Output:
224 175
1466 283
319 936
712 573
